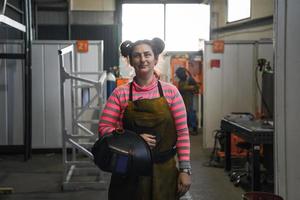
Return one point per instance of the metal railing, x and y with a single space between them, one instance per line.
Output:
82 110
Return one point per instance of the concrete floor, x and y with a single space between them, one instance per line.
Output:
41 178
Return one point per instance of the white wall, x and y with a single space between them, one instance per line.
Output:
11 95
232 87
287 98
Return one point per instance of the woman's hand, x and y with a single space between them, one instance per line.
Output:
184 183
150 139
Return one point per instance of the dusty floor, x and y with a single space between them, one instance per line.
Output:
41 178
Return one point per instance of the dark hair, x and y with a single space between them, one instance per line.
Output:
157 45
181 73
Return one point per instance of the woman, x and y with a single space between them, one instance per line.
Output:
188 87
155 110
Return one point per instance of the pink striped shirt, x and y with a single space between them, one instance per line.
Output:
112 114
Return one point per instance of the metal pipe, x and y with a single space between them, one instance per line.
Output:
3 8
28 101
15 8
84 129
82 149
83 110
68 21
10 22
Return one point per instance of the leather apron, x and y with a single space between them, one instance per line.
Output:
151 116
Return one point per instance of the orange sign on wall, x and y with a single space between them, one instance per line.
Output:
82 46
218 46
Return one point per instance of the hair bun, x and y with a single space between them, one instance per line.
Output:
125 48
159 44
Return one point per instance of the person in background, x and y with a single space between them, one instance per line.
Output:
187 87
155 110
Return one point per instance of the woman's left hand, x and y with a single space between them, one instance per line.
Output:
184 183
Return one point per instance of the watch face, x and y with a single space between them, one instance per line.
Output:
188 171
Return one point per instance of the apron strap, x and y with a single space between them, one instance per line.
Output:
130 91
161 94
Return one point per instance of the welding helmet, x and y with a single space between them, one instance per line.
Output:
123 152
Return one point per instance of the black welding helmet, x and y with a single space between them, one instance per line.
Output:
124 153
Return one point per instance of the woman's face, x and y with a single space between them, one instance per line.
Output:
143 59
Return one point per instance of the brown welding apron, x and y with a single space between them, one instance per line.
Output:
151 116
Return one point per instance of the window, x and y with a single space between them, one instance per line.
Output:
180 25
238 10
142 21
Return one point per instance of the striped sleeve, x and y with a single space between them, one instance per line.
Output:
111 117
178 110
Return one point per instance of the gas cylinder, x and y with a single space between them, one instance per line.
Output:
111 82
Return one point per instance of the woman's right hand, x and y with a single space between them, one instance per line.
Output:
150 139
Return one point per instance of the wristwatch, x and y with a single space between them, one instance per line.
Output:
186 170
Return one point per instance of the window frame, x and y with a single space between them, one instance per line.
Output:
164 3
237 20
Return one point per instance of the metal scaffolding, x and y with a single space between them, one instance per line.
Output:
23 25
82 101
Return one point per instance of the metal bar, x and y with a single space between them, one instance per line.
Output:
3 8
66 50
62 112
82 79
84 86
69 15
74 94
36 21
102 78
86 73
27 87
12 56
15 8
79 136
84 129
82 149
89 108
10 22
69 175
85 145
88 121
83 110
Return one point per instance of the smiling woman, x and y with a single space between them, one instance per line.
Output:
155 111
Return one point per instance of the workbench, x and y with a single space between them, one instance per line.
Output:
256 132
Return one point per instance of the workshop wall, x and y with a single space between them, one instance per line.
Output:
258 26
231 86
